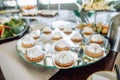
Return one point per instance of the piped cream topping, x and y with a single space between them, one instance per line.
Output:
76 36
57 34
28 40
35 33
64 57
87 29
96 37
67 30
35 51
62 43
61 27
47 29
94 48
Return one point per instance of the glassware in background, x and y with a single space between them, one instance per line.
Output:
17 5
48 6
59 5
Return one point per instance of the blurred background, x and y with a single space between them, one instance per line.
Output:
44 4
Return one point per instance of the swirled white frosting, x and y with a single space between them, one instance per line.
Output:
47 29
76 36
28 40
96 37
57 34
67 30
35 51
94 48
61 27
64 57
35 33
62 43
87 29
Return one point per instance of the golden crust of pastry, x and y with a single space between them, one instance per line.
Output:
64 65
62 49
27 45
94 55
98 42
37 59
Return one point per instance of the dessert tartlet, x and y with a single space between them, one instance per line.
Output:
96 38
64 59
87 31
27 41
47 30
94 50
67 30
76 38
57 36
62 45
35 34
35 54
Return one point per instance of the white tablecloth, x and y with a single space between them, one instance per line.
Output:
15 68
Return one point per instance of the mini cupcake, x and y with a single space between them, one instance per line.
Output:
62 45
35 34
47 30
64 59
94 50
76 38
57 36
27 42
67 30
87 31
35 54
96 38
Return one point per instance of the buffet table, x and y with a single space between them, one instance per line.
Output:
10 62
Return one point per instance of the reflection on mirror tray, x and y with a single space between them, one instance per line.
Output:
56 49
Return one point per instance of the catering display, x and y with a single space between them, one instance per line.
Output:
11 28
63 47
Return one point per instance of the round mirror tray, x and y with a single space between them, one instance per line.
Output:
62 47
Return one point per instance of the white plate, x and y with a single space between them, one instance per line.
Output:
103 75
